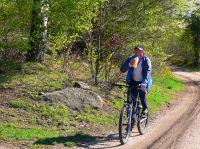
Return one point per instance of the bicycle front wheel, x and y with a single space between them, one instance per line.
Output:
143 123
124 126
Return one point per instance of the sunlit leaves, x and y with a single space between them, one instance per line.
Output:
14 23
70 18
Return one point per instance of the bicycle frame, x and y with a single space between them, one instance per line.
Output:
132 112
132 106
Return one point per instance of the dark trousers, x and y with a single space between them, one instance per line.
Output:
142 94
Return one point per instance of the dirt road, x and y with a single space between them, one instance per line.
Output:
176 127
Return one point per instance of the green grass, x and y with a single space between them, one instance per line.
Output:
96 117
11 132
41 136
21 104
117 104
29 79
56 114
162 92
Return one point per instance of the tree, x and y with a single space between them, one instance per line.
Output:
123 24
38 31
67 20
194 27
14 28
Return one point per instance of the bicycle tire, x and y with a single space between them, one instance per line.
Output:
143 123
124 127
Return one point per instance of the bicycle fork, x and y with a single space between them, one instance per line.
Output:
130 109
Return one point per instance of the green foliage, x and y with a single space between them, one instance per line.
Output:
118 25
184 47
14 20
122 25
193 26
74 19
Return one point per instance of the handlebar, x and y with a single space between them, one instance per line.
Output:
127 86
121 85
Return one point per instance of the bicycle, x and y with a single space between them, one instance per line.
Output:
131 114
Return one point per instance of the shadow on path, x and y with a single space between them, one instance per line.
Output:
84 141
79 139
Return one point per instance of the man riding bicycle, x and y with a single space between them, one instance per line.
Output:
139 73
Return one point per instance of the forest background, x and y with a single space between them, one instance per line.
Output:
47 45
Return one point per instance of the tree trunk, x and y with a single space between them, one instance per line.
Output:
199 58
97 66
90 52
38 31
196 39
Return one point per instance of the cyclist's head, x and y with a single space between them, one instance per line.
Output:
139 47
139 51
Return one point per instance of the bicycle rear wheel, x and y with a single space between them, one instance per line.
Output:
124 126
143 123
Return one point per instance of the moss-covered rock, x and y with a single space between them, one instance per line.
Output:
75 98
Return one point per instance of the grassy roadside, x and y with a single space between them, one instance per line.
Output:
162 92
26 120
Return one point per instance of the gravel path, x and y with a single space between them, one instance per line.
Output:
190 139
180 134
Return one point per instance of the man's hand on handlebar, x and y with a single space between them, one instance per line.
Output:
142 86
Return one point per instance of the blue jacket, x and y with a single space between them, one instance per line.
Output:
146 70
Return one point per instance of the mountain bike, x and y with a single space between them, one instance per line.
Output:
131 114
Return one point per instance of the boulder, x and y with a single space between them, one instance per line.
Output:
75 98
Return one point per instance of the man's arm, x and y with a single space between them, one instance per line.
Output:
125 66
